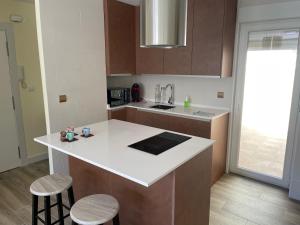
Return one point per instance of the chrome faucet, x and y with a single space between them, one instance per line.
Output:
172 97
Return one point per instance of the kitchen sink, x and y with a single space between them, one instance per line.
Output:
163 107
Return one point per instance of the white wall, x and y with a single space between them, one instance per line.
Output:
203 91
72 55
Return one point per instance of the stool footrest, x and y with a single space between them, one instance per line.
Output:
43 210
57 221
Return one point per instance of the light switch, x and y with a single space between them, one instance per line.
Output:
220 94
62 98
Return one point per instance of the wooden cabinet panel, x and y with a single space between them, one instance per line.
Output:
179 60
169 201
148 60
124 114
119 37
196 173
219 133
153 119
119 114
229 37
189 126
131 114
207 36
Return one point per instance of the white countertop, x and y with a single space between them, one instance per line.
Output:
108 150
198 113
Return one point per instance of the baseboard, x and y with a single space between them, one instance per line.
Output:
35 158
294 192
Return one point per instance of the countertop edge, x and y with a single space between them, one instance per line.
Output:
145 184
166 112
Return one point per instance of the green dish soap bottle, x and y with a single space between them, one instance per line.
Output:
187 102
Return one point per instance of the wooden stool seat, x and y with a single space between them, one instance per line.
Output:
95 210
46 187
50 185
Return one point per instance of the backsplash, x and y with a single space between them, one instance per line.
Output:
202 90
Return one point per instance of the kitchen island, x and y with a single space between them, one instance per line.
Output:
172 188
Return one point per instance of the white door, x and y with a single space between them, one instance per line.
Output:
266 101
9 154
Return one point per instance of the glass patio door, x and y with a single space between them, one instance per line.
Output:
265 102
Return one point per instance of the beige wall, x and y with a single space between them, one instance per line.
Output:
27 55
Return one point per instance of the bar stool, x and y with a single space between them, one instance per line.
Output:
49 186
96 210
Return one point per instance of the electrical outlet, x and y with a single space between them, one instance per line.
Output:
62 98
220 94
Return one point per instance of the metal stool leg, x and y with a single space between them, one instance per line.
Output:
35 202
60 209
47 210
71 200
71 196
116 220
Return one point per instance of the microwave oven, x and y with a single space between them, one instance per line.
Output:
118 96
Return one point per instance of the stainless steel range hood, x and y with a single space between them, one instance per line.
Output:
163 23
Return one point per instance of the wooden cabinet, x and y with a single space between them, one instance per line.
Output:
213 37
210 41
119 114
190 126
119 37
153 119
124 114
179 60
216 129
208 34
131 115
180 198
148 60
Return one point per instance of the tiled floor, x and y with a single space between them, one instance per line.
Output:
262 154
234 200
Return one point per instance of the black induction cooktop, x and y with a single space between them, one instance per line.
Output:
159 143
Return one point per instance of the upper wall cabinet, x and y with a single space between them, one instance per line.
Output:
210 41
213 37
179 60
148 60
119 37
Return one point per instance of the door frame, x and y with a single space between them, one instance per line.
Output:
13 70
239 80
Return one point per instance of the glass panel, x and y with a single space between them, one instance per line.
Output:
269 80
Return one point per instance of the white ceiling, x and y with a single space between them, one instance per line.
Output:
261 2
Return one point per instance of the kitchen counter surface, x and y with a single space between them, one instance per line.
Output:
198 113
108 149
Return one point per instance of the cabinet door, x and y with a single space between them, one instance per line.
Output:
179 60
153 119
148 60
131 115
207 37
119 37
229 37
190 126
119 114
